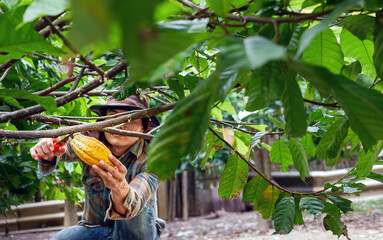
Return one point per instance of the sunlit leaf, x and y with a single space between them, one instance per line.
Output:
367 160
40 8
255 187
47 102
266 201
300 158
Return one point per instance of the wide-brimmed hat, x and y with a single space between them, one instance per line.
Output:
133 102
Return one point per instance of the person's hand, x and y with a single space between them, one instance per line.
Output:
114 179
45 148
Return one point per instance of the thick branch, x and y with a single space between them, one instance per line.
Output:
7 64
64 99
87 126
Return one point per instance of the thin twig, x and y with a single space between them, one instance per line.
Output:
155 129
335 105
5 73
77 81
59 61
156 99
259 172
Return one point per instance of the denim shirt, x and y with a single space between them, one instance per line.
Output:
97 204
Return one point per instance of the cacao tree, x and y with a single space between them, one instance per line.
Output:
209 67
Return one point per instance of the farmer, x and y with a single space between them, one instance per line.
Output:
120 203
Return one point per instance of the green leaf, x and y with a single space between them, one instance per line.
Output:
312 204
256 138
366 160
40 8
376 176
352 70
334 224
265 86
308 145
343 204
280 153
159 49
48 103
279 124
326 140
335 146
362 26
253 52
179 138
20 40
300 158
266 201
310 33
194 26
284 214
295 112
378 42
233 178
298 220
363 107
177 87
242 143
331 209
359 50
95 26
228 107
254 188
325 51
11 102
220 7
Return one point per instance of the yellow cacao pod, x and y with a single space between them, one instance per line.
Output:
90 150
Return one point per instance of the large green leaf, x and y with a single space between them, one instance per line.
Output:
194 26
363 107
334 224
312 204
280 153
295 112
362 26
308 145
265 86
95 25
325 51
20 40
48 103
233 178
284 215
298 220
378 44
310 33
359 50
266 201
40 8
255 187
366 160
300 158
183 131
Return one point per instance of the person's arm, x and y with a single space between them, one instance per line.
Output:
127 200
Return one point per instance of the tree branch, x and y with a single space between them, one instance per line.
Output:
64 99
203 13
259 172
88 126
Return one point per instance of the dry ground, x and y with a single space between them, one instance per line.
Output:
363 224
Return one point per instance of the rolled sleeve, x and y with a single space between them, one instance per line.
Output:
142 189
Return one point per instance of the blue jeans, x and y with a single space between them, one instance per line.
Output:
142 226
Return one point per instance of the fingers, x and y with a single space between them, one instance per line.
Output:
44 149
120 167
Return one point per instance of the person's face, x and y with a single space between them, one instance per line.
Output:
120 140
